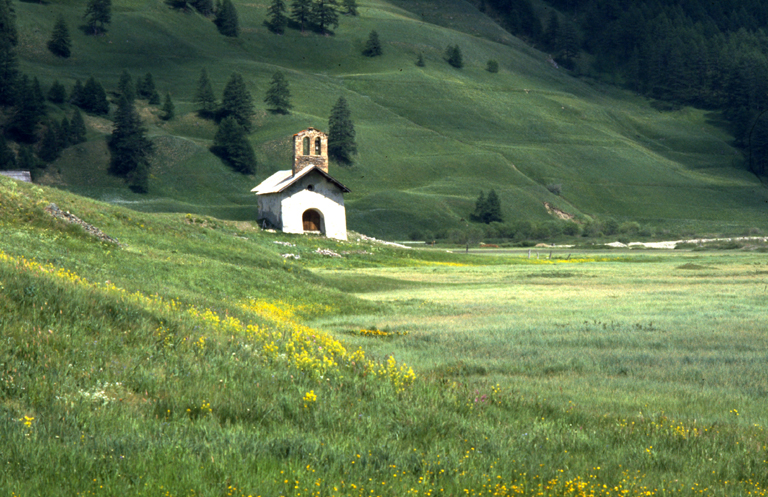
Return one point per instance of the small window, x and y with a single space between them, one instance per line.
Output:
311 188
318 146
306 145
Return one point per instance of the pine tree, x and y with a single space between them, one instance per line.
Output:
277 19
204 96
125 86
38 98
236 102
8 30
227 20
420 61
28 162
77 128
301 13
373 45
278 95
350 7
7 157
62 133
60 43
341 133
324 15
23 123
453 56
49 147
487 209
231 144
205 7
77 97
57 93
552 33
94 97
145 88
169 109
98 13
130 149
9 70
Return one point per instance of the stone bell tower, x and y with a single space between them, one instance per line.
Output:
310 148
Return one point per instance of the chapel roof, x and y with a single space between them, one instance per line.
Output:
281 180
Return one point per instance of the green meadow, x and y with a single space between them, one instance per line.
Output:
198 356
429 138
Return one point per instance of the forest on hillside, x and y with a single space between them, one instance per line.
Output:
707 54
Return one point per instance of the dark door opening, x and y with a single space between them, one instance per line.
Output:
312 220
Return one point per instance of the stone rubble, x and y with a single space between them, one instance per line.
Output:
54 210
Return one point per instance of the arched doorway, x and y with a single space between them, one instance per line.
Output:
312 220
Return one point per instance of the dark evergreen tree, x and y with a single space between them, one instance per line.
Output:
94 97
28 162
301 13
453 56
341 133
145 88
38 98
487 209
23 123
169 110
62 133
350 7
49 146
227 20
57 93
278 97
205 7
77 128
129 147
552 32
420 60
60 43
7 157
231 144
236 102
277 19
77 96
324 15
204 96
98 13
9 71
373 45
125 87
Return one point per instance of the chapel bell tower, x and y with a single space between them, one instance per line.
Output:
310 148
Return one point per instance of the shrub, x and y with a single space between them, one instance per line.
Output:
492 67
555 188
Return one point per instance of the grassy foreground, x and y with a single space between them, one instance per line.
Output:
198 358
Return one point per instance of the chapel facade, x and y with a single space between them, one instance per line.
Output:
305 199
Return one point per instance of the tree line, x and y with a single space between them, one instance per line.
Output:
696 52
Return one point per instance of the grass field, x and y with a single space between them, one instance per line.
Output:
195 358
429 138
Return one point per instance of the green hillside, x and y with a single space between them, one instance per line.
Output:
429 138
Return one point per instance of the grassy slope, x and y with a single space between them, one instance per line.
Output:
142 378
429 138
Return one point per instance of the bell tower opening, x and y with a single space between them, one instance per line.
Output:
310 148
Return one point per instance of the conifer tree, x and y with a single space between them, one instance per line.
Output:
420 60
62 133
94 97
278 94
204 96
301 13
9 68
227 20
350 7
38 98
341 133
76 97
27 160
7 157
77 128
57 93
487 209
453 56
169 109
24 121
277 19
125 86
373 45
236 102
205 7
129 148
49 146
98 13
60 43
145 88
323 15
231 144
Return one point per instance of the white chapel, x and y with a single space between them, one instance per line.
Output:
305 199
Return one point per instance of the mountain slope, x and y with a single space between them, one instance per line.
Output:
429 138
